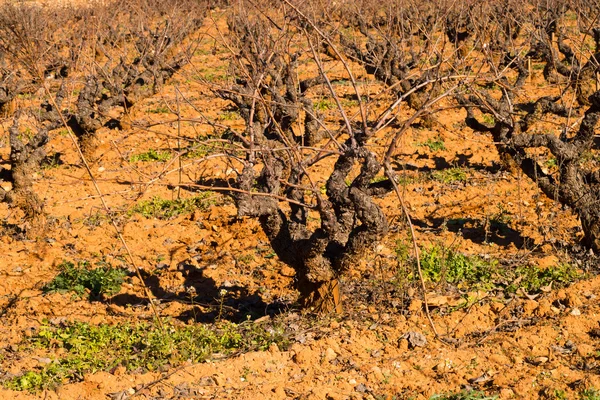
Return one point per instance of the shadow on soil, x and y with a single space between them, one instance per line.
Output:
460 160
209 302
497 232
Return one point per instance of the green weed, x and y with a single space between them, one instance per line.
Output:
324 105
141 347
532 278
464 271
151 155
463 395
442 264
159 110
551 162
433 144
451 175
489 119
165 209
103 280
590 394
229 116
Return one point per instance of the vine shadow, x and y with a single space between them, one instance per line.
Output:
209 302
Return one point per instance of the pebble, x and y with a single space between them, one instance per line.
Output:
330 354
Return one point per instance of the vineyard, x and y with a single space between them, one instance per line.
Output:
300 200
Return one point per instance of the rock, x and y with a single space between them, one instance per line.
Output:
572 300
576 312
584 349
530 306
538 360
544 308
415 339
443 367
362 388
329 354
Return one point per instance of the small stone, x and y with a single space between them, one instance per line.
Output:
330 354
575 312
572 300
415 339
361 388
44 360
443 367
538 360
584 349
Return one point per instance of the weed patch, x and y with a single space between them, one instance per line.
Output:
141 347
441 264
433 144
151 155
451 175
103 280
463 395
165 209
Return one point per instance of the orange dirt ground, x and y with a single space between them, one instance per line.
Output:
511 347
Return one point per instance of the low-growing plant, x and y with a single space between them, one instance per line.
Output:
137 347
439 263
324 105
463 395
451 175
151 155
102 280
590 394
229 116
533 278
436 144
159 110
165 209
